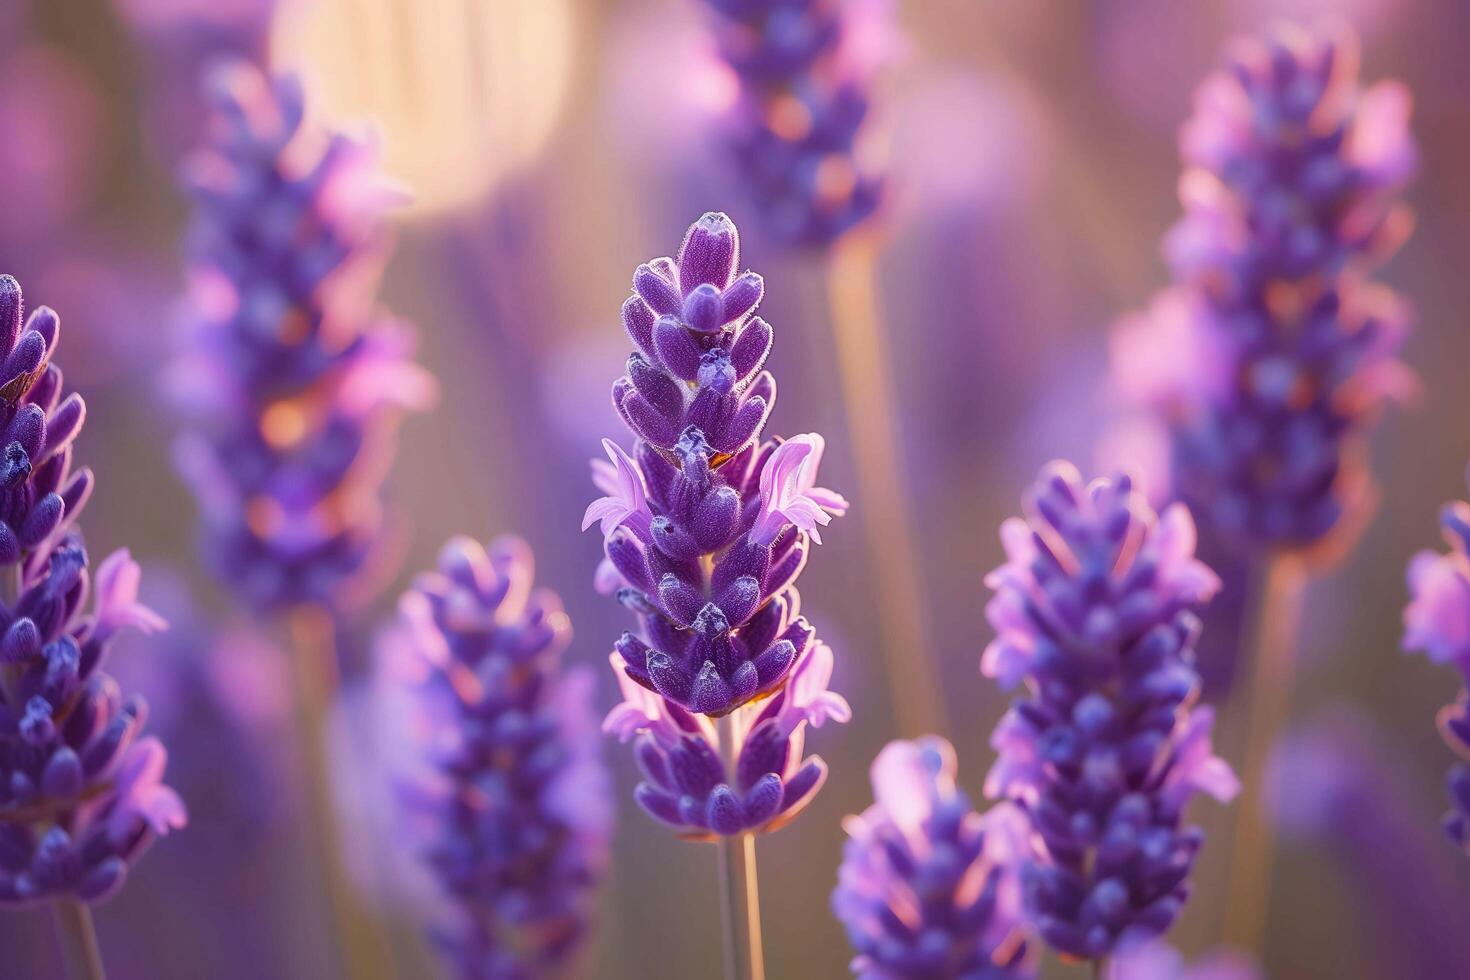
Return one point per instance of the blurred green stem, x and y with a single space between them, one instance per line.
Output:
1279 582
739 889
362 946
81 959
872 425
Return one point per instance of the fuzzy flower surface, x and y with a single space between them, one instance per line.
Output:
293 379
928 888
1273 352
803 78
1437 624
504 792
706 528
81 787
1095 618
1159 961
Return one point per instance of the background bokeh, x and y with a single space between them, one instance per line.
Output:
1031 148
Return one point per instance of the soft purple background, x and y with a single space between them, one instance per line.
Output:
1033 177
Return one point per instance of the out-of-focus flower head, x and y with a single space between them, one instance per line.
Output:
293 380
1272 353
81 788
1437 622
507 798
928 887
1095 610
803 70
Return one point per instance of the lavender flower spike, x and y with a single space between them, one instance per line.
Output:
509 796
295 379
706 529
1437 622
1272 353
803 96
81 788
1095 609
928 887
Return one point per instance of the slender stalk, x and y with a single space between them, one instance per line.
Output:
11 580
363 951
1279 583
80 956
1099 968
871 411
739 891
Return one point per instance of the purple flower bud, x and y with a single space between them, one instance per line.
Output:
678 351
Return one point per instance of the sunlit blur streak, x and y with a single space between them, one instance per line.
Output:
464 94
871 407
1277 607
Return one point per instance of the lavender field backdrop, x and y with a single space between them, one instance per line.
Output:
948 288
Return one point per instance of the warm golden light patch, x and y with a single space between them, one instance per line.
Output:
284 423
462 94
789 118
836 178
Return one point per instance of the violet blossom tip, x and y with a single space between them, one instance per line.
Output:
789 496
625 503
117 582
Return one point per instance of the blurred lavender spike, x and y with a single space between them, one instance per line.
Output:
1334 783
803 92
928 887
1095 610
293 379
1272 353
706 528
81 788
1437 623
508 795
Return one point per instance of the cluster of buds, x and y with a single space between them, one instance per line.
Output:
706 528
